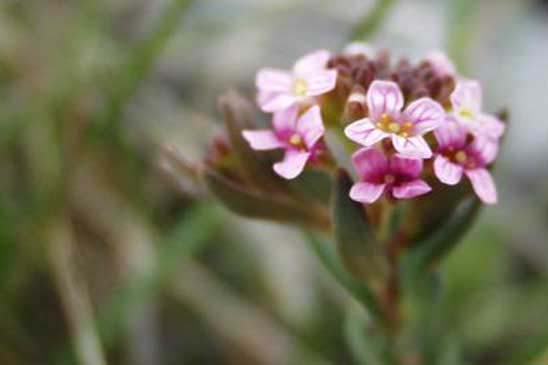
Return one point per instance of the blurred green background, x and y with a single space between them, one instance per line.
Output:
108 255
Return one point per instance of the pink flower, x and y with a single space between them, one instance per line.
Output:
359 48
441 63
384 100
466 100
396 175
457 155
298 136
279 89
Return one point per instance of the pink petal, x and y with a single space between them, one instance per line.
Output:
490 126
467 95
485 148
320 82
285 119
450 134
365 192
446 171
313 61
411 189
370 163
426 114
384 97
269 79
359 48
441 63
262 140
414 147
364 132
292 164
483 185
310 126
279 102
410 167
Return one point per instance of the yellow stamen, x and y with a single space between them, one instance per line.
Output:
461 157
389 179
394 127
296 140
300 87
466 113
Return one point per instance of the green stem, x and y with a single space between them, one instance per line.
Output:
371 22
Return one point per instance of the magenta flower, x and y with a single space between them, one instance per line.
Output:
396 176
299 136
441 63
384 100
457 155
279 89
466 100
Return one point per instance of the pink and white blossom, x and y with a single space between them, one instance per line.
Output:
359 48
396 176
280 89
466 100
386 119
298 136
456 156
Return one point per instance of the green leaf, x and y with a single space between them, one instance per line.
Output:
255 204
326 253
362 255
427 252
239 114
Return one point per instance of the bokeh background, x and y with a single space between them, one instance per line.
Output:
109 255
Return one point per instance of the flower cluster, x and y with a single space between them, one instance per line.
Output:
411 124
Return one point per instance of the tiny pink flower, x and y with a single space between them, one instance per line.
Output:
359 48
279 89
442 65
396 176
384 100
456 155
298 136
466 100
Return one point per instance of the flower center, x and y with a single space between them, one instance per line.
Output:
466 113
300 87
389 179
388 124
461 157
296 141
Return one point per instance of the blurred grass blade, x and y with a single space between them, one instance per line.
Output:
360 252
137 66
427 252
461 29
370 23
364 348
326 253
265 206
195 229
239 114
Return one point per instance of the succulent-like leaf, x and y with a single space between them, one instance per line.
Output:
239 114
325 251
254 204
428 252
313 185
359 250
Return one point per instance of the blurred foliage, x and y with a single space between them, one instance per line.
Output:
170 280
